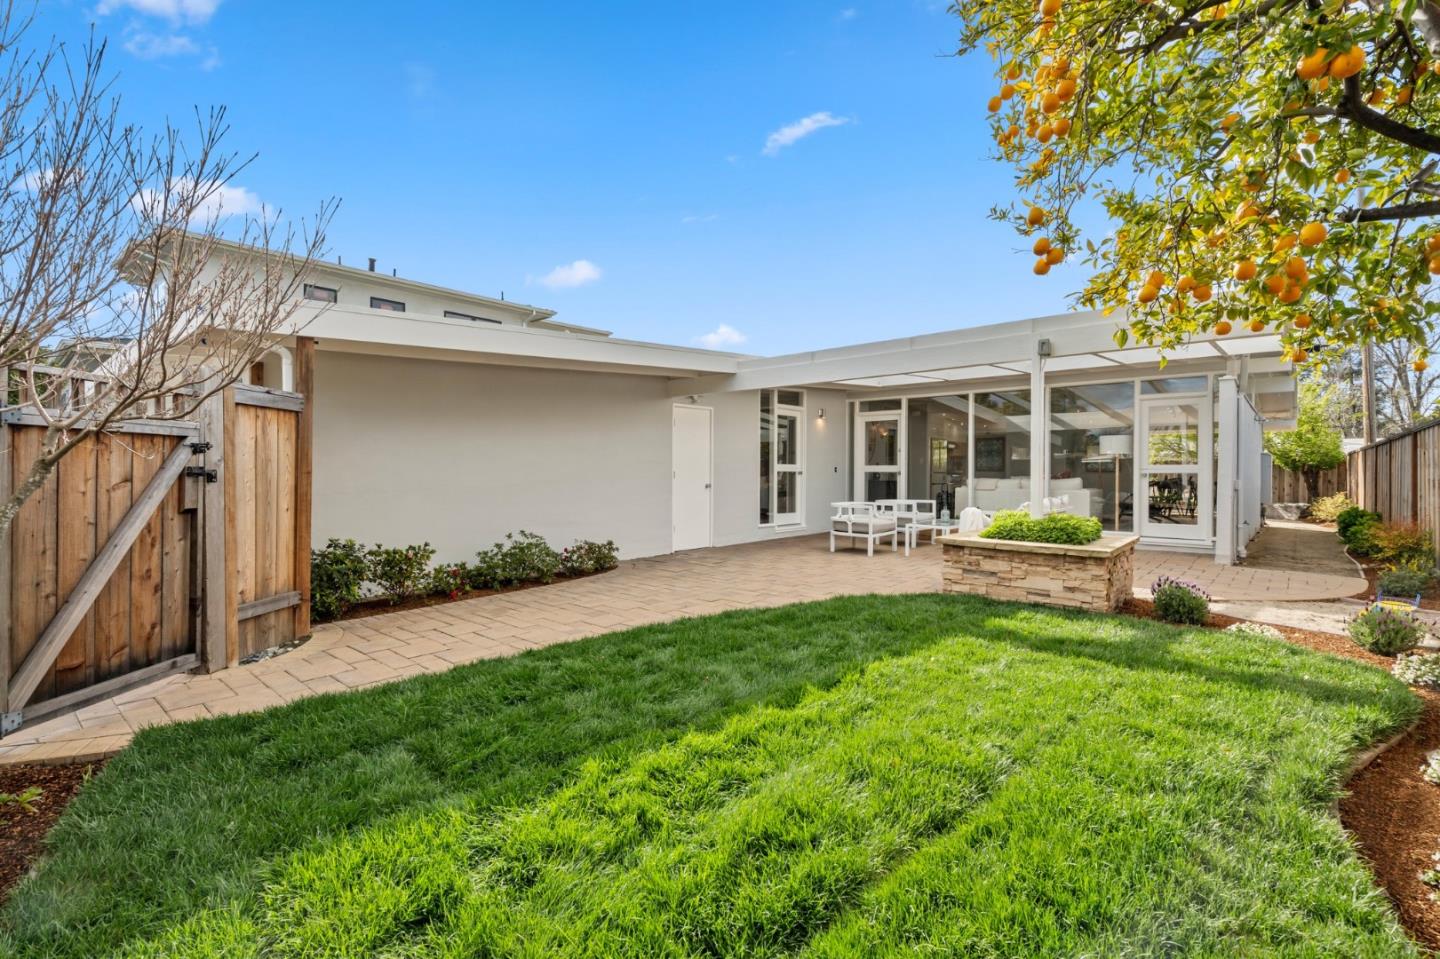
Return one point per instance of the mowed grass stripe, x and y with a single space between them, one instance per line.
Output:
1030 784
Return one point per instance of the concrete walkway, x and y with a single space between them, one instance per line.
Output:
379 649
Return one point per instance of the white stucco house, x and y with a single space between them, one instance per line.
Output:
451 417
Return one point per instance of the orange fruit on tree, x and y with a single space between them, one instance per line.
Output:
1295 269
1245 270
1065 89
1313 233
1420 365
1257 326
1434 264
1403 95
1247 210
1013 73
1230 120
1042 246
1061 126
1290 294
1432 244
1147 293
1312 136
1044 133
1185 284
1035 217
1348 64
1222 328
1376 97
1299 355
1342 176
1202 292
1050 102
1062 66
1042 266
1275 283
1155 279
1049 8
994 105
1302 322
1284 242
1055 255
1312 65
1007 91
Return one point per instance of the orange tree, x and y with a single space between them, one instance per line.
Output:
1268 165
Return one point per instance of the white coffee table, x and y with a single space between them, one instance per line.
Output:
936 526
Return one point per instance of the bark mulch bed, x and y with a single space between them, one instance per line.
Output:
22 834
1388 807
379 605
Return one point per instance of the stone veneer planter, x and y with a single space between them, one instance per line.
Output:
1098 576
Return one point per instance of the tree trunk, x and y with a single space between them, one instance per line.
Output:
1367 392
40 470
1311 476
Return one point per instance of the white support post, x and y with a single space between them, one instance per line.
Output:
1227 463
1039 431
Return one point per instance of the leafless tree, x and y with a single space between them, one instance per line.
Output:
127 290
1406 396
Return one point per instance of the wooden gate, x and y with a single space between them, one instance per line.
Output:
160 546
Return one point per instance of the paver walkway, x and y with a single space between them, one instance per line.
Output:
378 649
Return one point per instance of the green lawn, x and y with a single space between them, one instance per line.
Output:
860 777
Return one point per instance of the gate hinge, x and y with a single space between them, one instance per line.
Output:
200 446
211 476
9 722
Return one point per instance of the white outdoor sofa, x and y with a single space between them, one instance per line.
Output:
993 495
863 521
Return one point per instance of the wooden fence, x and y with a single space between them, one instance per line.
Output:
1289 487
1399 478
157 547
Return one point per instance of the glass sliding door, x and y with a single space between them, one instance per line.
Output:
879 452
1000 422
938 450
1176 488
789 465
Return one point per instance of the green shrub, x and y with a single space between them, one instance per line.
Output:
1327 508
1347 518
587 556
521 558
1061 528
1402 544
401 572
1385 631
1404 580
449 579
1177 601
337 576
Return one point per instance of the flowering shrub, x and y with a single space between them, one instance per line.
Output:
401 572
1418 670
1062 528
1406 580
450 579
1177 601
337 576
1402 544
1263 630
1327 508
1385 631
587 556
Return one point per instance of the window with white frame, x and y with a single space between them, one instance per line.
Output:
782 457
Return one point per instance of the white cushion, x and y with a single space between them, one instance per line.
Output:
1013 482
865 524
1074 482
985 484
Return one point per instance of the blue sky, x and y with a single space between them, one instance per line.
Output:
645 167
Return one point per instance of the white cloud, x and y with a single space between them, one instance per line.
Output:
722 336
176 11
574 274
800 129
849 13
155 46
221 201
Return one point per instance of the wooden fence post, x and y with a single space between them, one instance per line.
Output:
7 572
230 590
211 643
304 440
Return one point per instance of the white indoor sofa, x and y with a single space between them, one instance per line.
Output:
991 495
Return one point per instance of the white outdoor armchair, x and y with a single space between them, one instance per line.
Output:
863 521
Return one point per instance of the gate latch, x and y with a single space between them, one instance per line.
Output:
211 476
200 447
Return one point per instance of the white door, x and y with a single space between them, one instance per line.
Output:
789 451
692 486
879 451
1176 459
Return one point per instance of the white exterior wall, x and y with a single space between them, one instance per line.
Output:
459 454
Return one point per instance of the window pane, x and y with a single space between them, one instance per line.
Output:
380 303
786 493
878 406
787 441
322 293
881 486
882 443
1002 444
1173 498
791 398
1092 444
766 420
1174 438
1175 384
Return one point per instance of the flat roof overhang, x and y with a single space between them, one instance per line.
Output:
421 336
1080 344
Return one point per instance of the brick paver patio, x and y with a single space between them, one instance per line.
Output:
378 649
